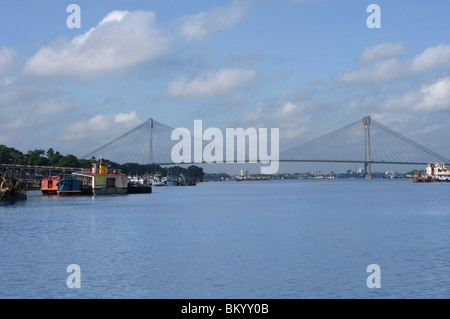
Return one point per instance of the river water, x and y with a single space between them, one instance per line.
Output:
262 239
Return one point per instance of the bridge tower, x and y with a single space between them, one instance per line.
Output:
367 155
150 124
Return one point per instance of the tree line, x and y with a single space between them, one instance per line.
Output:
39 157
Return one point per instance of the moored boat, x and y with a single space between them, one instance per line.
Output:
171 181
435 172
137 185
158 181
69 186
49 186
101 181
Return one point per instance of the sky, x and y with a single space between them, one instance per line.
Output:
306 67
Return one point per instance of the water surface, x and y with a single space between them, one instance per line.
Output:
260 239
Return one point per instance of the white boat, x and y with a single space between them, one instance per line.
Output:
435 172
158 181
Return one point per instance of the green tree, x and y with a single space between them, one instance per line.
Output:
195 172
84 163
69 161
53 157
35 158
176 171
9 155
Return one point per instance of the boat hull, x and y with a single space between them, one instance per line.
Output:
69 193
110 191
49 191
139 190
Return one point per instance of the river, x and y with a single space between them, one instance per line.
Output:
290 239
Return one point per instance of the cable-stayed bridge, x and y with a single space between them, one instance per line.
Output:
365 141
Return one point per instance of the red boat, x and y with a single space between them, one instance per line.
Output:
49 186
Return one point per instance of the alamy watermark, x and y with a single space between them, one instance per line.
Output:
74 279
73 20
374 20
374 279
233 143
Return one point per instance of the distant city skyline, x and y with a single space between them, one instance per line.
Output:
305 67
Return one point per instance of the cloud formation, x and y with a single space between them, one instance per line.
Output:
29 111
104 127
210 83
120 41
381 52
200 26
7 56
300 113
384 67
430 97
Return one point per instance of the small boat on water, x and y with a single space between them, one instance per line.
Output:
158 181
137 185
171 181
49 186
435 172
12 190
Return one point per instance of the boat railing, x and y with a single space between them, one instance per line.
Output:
97 171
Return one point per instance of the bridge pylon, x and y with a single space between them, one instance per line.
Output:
367 153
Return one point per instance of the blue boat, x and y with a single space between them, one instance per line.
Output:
69 186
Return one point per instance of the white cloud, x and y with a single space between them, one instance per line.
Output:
102 126
288 108
127 118
430 97
300 113
31 113
200 26
381 71
7 56
431 58
382 51
119 42
210 83
293 121
390 69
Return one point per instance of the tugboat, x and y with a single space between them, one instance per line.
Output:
12 190
435 172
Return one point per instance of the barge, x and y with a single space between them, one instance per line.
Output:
101 181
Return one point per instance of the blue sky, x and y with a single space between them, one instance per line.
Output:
304 66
